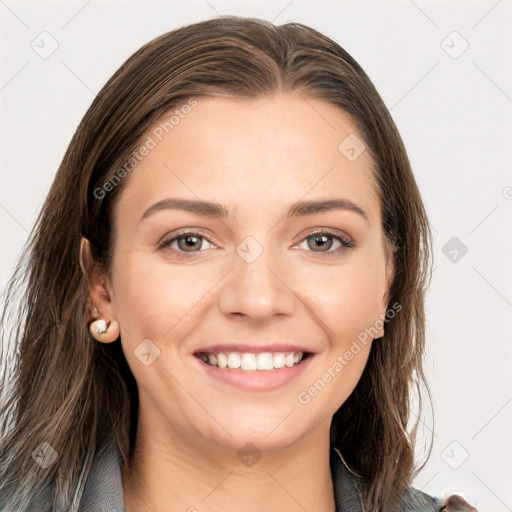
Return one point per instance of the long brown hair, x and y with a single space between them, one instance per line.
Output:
62 388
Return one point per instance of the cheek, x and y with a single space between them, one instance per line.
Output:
348 298
142 296
349 305
151 298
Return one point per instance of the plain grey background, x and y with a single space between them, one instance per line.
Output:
444 71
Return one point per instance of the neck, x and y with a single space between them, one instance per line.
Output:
190 475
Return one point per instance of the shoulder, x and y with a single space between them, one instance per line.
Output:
347 496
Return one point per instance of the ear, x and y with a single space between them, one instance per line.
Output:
101 305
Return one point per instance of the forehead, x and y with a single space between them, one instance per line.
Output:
253 155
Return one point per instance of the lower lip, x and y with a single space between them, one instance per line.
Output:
255 380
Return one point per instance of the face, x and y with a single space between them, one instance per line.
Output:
193 291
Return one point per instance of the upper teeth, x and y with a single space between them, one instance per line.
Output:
250 361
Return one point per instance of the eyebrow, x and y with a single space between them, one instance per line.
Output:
216 210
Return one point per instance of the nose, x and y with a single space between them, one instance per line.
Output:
257 289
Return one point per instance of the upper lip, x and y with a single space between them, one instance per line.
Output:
254 347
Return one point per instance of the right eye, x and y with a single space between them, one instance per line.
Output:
184 241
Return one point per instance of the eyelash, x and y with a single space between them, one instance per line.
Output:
345 242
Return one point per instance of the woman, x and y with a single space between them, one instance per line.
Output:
186 340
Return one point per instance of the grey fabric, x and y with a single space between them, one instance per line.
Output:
346 494
103 490
415 500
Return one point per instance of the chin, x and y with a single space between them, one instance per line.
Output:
249 440
273 434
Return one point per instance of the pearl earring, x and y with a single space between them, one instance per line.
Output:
106 333
99 326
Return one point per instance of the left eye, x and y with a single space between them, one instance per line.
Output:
323 240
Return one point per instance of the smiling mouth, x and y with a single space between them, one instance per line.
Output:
248 361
